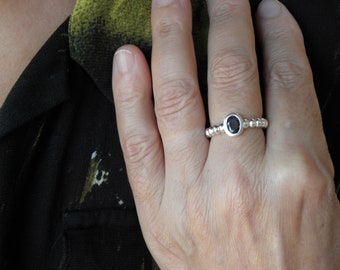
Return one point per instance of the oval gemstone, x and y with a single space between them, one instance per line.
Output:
233 124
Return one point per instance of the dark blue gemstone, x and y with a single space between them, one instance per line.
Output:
233 124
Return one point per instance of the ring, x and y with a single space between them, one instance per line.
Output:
233 125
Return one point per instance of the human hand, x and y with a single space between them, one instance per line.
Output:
254 201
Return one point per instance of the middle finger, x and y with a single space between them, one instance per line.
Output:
178 103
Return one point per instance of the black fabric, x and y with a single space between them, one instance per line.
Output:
65 201
104 240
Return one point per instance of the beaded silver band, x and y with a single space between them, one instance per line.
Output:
233 125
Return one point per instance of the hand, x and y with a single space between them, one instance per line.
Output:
261 200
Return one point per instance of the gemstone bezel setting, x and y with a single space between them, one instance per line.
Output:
233 124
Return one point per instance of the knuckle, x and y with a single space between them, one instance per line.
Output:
167 27
288 74
223 10
308 176
128 90
177 96
137 150
232 71
283 35
314 187
315 176
128 94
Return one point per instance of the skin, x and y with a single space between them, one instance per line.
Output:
256 201
25 25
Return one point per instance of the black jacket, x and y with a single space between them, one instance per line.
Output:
65 201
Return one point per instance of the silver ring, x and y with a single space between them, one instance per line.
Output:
233 125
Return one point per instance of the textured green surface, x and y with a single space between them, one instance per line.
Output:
97 28
129 18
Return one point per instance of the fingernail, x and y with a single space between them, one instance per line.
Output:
161 3
123 60
269 9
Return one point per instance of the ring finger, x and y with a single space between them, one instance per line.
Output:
232 67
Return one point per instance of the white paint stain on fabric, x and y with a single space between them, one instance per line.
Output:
100 177
119 200
94 154
95 176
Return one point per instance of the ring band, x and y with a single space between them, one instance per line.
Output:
233 125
